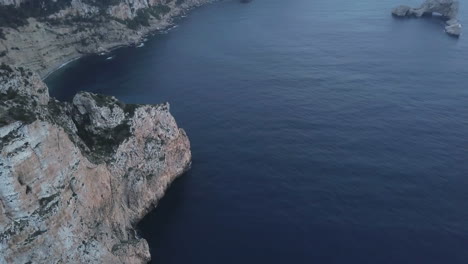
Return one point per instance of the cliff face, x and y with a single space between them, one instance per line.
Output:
43 34
75 178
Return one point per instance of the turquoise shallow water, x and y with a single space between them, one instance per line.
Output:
322 131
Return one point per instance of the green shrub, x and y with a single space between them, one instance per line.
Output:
21 114
159 10
143 16
6 68
102 4
13 17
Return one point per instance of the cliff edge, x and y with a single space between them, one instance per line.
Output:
75 178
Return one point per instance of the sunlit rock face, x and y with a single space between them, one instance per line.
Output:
446 8
75 178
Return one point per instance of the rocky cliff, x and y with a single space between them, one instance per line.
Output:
75 178
447 8
43 34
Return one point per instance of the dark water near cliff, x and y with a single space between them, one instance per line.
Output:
322 132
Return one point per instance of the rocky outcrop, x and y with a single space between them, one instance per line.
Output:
44 39
447 8
75 178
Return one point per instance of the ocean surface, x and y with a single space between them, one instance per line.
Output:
322 131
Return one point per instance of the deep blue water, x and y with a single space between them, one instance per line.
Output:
322 131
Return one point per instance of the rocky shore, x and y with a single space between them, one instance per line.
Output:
447 8
44 43
76 178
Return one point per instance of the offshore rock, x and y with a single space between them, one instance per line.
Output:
447 8
75 178
453 27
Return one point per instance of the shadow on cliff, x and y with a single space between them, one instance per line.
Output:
156 223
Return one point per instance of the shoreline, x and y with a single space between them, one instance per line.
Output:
95 178
159 26
54 69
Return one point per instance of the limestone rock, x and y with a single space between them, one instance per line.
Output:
447 8
68 192
75 178
101 112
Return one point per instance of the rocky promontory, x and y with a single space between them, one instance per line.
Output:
447 8
75 178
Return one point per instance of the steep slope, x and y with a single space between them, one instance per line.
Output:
75 178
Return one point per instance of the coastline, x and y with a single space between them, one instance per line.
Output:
105 191
54 69
61 44
109 49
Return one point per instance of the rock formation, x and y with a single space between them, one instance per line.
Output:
447 8
75 178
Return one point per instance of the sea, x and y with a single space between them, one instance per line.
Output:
322 131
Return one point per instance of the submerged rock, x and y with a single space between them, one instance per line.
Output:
447 8
75 178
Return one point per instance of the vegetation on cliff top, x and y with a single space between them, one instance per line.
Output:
143 16
102 4
11 16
